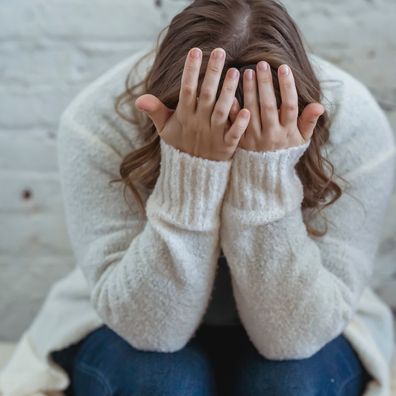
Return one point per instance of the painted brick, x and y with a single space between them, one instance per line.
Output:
50 50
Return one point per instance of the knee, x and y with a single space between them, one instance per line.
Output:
173 374
288 389
321 374
291 387
278 379
122 369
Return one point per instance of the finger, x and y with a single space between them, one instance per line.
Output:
155 109
309 118
238 128
289 106
207 94
268 106
234 109
250 98
223 105
189 81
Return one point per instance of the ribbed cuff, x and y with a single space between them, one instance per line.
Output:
264 185
189 190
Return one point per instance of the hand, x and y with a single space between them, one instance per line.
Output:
202 129
271 128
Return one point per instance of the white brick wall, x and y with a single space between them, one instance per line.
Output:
51 49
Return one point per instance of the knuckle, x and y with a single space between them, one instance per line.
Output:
275 139
213 68
289 85
219 113
229 89
188 90
269 107
190 69
266 79
232 138
290 106
205 94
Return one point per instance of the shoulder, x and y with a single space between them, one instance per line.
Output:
92 110
360 131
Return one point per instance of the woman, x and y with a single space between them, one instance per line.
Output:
265 153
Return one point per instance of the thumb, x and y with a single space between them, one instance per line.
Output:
235 108
155 109
308 119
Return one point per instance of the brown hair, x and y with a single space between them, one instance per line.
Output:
249 31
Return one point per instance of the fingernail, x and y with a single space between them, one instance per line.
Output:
263 65
195 53
249 74
219 54
284 69
233 73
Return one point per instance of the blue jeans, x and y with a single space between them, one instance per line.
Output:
216 361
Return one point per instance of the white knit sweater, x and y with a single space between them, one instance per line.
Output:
154 280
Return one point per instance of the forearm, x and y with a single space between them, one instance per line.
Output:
159 290
293 293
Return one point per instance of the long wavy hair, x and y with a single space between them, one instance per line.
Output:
249 31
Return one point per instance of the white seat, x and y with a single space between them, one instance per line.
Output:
6 349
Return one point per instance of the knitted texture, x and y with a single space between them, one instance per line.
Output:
294 292
152 280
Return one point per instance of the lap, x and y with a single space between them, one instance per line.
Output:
216 356
104 363
334 370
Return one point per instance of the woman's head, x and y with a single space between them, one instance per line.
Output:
249 31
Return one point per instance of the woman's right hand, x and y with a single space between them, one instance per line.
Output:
201 126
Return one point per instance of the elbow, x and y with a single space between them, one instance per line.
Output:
297 340
142 332
280 349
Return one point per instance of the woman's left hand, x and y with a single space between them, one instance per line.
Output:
271 128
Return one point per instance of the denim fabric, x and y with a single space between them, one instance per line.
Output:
218 360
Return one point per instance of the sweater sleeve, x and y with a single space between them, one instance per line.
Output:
149 280
294 292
